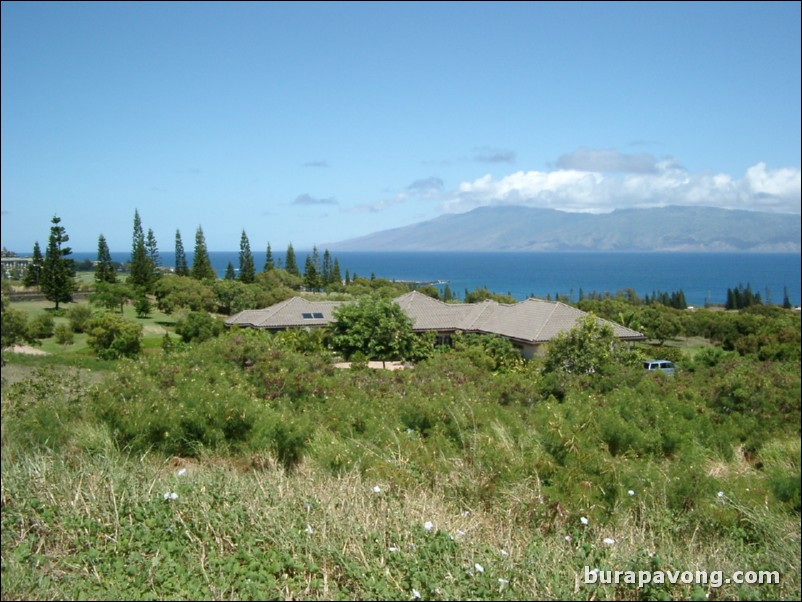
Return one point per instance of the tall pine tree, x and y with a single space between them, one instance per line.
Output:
447 294
311 277
290 265
201 264
140 274
247 269
269 263
326 272
58 272
336 276
181 268
104 269
152 249
33 273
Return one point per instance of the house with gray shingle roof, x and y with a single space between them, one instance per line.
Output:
528 324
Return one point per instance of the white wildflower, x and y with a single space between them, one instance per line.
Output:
392 549
415 594
608 541
630 493
479 568
377 489
503 582
182 472
171 496
583 520
428 525
504 553
567 538
720 494
309 529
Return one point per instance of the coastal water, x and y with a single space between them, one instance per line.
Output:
703 277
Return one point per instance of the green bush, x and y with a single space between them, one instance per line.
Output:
289 440
41 326
79 316
174 293
14 326
787 488
198 326
64 335
112 337
142 306
181 409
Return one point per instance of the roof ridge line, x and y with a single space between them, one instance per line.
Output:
547 320
483 305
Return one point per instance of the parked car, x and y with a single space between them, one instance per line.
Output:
664 365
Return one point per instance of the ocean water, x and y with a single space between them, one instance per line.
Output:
703 277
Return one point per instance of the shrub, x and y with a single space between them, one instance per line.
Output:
142 307
289 441
41 326
787 488
14 326
113 337
589 347
79 316
377 327
179 292
198 326
179 408
64 335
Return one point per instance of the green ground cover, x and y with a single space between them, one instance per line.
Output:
249 467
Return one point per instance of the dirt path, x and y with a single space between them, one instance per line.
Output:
26 349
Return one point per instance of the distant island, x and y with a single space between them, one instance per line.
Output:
516 228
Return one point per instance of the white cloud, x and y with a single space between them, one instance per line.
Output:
779 183
577 190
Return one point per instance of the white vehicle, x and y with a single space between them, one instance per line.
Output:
664 365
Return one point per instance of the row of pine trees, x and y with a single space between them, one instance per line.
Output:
54 271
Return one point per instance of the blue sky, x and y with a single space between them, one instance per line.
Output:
309 123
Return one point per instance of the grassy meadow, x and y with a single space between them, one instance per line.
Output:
249 467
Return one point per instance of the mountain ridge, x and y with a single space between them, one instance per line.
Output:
516 228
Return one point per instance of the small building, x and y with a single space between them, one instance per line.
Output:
528 324
14 267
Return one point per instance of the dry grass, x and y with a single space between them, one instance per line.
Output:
75 514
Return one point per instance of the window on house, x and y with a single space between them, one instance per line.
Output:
318 315
306 316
